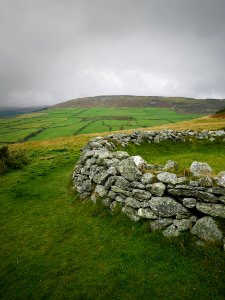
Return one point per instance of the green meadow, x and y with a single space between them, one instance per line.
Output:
62 122
55 246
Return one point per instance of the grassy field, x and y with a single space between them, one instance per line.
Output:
54 246
212 153
53 123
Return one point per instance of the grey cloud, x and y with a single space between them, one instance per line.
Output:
55 50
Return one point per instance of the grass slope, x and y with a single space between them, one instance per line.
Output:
53 246
55 123
179 104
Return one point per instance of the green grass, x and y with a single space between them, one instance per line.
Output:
53 246
184 153
54 123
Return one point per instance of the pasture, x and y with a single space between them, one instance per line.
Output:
55 246
63 122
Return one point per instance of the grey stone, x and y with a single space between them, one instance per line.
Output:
100 190
189 202
147 178
107 202
131 213
182 225
199 169
221 174
118 190
167 177
120 155
147 213
120 199
201 196
181 180
87 187
98 174
112 162
157 189
205 181
128 170
207 229
145 204
167 207
193 219
222 199
221 182
122 183
102 154
140 163
215 210
112 171
170 166
111 180
141 194
160 224
216 190
112 195
171 231
103 177
132 202
137 185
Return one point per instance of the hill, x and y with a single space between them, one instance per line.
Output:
179 104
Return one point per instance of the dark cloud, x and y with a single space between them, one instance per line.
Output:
53 50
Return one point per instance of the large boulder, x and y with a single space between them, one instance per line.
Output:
167 207
199 169
207 229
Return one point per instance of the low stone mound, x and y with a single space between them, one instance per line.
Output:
170 202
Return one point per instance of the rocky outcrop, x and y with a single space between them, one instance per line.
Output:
170 202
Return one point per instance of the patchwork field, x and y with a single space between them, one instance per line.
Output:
53 123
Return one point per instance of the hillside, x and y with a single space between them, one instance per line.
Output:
179 104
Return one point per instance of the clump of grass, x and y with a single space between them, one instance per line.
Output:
11 159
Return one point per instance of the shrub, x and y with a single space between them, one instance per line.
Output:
221 111
11 159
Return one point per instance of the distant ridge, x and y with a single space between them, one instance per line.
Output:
179 104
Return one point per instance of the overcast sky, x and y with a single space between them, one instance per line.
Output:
55 50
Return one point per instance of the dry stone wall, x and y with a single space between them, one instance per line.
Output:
156 193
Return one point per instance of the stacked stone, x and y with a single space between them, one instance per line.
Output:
172 203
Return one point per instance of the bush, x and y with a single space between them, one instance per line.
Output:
221 111
11 159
